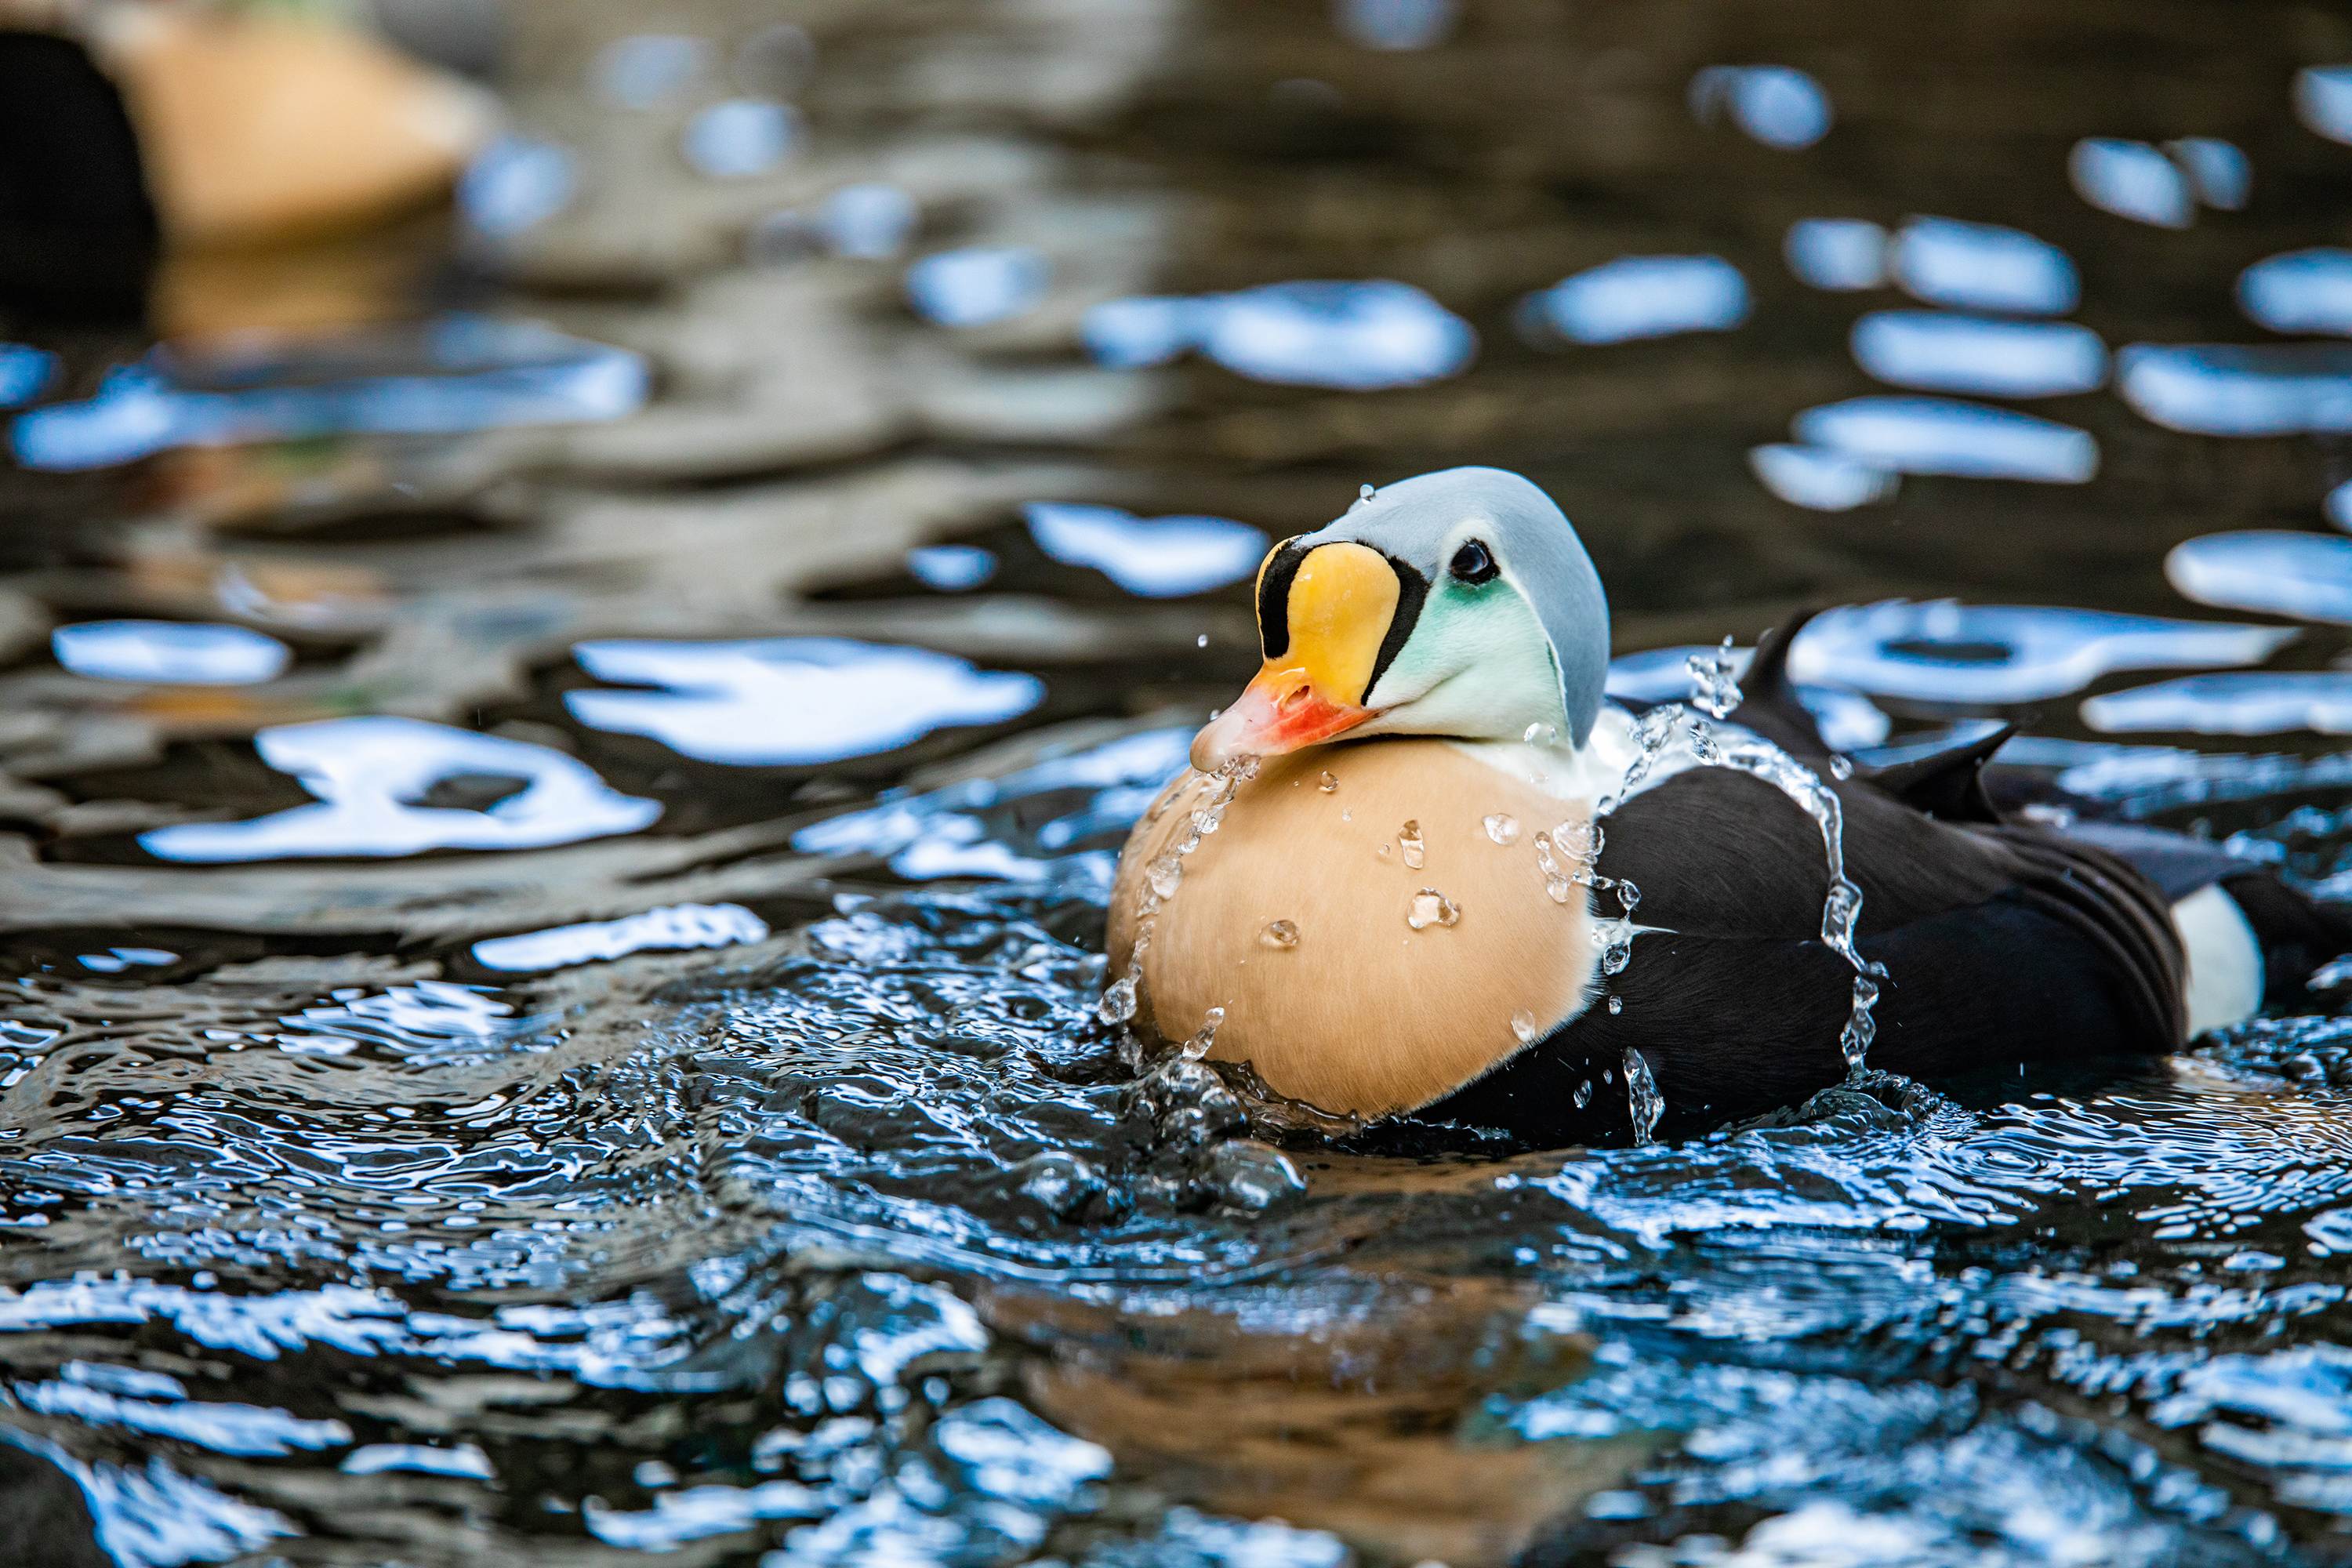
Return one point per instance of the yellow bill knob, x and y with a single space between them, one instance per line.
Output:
1341 602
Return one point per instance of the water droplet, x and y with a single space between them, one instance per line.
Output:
1281 934
1201 641
1607 1076
1503 827
1616 1006
1579 839
1431 908
1523 1025
1840 767
1117 1004
1384 849
1204 1037
1327 781
1409 843
1714 680
1641 1095
1347 815
1556 882
1166 874
1539 734
1584 1095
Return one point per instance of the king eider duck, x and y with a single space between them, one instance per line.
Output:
1395 880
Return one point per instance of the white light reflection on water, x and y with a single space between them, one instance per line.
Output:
1396 25
1352 336
979 286
1154 558
1645 297
2218 171
515 184
1779 106
673 928
463 1460
740 138
1940 352
445 378
2238 702
2131 179
154 1517
25 374
2300 291
691 1513
2323 101
433 1021
950 568
368 772
2272 571
632 1343
868 221
181 653
645 70
946 833
1836 253
1818 478
2229 389
245 1430
116 960
1943 436
1848 721
791 701
1944 651
1984 266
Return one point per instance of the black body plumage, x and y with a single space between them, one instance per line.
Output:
2002 940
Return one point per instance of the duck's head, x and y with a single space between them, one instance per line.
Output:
1460 603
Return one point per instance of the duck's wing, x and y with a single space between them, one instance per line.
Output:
1999 943
1767 697
1947 783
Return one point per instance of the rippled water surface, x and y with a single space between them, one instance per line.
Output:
559 803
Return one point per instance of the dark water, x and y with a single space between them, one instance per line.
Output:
799 1211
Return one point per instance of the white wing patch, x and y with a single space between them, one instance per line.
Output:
2225 962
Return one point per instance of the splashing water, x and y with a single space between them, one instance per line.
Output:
1163 876
1556 881
1580 840
1166 874
1842 909
1203 1037
1715 676
1641 1095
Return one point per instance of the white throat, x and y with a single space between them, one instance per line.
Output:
1590 771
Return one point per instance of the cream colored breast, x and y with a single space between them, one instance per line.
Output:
1364 1013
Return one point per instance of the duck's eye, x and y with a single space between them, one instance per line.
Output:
1474 562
